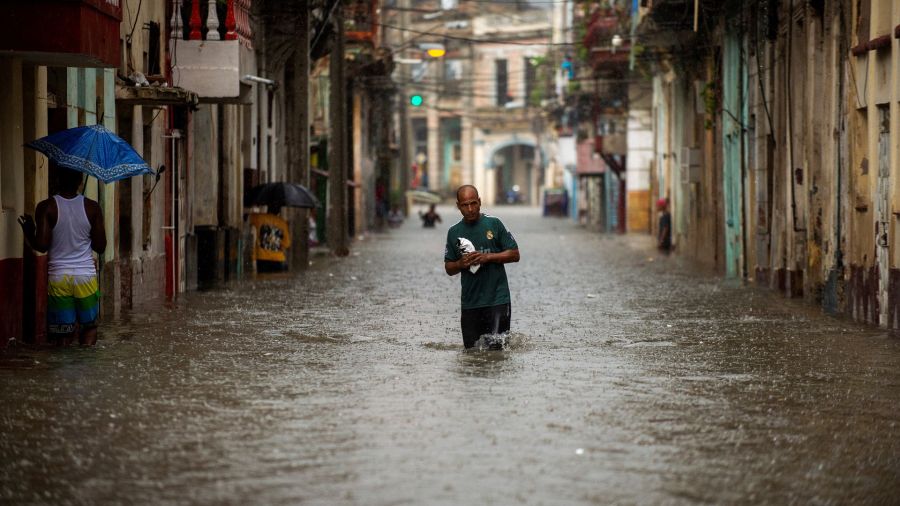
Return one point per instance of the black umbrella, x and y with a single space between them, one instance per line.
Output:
280 195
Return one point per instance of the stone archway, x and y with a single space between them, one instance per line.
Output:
512 172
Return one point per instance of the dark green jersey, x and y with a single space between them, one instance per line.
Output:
488 286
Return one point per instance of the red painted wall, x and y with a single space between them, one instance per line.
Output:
34 299
11 300
86 32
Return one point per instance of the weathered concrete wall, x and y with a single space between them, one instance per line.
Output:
12 198
232 165
640 158
206 166
820 193
873 148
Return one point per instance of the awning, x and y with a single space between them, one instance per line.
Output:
155 95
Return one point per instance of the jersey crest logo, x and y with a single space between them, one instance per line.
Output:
490 235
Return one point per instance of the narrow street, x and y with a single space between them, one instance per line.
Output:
629 379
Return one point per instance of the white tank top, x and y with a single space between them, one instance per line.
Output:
70 250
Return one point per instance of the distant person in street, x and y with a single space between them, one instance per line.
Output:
664 235
430 218
381 200
67 226
313 228
395 217
477 247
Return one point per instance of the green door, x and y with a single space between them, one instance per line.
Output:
733 93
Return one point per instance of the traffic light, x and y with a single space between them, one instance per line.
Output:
416 100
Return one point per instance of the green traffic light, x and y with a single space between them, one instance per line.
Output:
416 100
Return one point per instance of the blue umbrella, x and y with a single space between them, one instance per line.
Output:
93 150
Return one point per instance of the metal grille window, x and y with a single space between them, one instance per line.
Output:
153 48
502 78
530 78
453 70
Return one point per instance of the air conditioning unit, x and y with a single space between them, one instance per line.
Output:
690 165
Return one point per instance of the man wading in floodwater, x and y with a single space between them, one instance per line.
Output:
478 246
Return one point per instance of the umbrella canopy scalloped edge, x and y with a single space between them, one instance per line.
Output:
107 175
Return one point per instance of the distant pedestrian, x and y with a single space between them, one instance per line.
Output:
67 226
664 234
477 247
395 217
313 228
430 218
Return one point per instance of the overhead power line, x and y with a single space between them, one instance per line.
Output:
469 39
522 3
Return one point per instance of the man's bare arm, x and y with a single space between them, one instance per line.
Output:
504 257
470 259
98 227
454 268
39 231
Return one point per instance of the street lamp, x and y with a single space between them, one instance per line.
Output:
433 50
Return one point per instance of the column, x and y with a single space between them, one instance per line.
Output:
433 122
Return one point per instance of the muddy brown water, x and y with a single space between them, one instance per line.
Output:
630 379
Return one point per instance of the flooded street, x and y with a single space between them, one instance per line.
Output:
629 379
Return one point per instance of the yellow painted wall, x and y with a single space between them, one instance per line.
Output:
638 211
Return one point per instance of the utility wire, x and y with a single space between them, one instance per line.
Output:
469 39
136 15
633 38
522 3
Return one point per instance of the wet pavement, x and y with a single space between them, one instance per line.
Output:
630 379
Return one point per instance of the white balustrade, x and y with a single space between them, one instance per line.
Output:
212 22
175 25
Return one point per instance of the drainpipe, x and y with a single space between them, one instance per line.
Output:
172 227
839 252
170 46
831 298
742 100
790 123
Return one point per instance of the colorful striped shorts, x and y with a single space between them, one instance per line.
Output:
72 298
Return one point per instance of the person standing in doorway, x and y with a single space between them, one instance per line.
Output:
478 247
664 237
67 226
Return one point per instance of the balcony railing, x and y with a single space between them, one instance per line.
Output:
361 20
75 33
212 20
211 45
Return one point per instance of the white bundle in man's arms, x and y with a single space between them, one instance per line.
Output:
466 246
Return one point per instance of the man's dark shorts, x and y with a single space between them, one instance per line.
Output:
484 320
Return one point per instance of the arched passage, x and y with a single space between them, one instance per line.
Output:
513 174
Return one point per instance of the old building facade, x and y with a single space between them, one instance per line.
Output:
776 140
203 94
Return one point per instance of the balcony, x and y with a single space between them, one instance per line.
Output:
607 57
588 161
83 33
611 144
212 47
361 21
